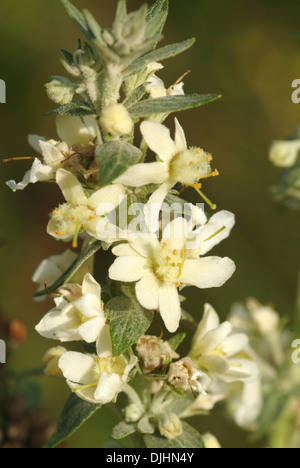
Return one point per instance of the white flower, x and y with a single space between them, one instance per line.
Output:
52 268
245 402
285 153
80 211
156 87
265 318
177 163
71 130
96 379
54 153
214 350
74 130
116 120
160 267
78 314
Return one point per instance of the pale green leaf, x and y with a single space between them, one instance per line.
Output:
171 104
156 18
176 340
123 430
158 55
128 322
78 19
114 158
75 108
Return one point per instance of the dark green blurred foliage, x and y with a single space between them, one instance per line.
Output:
247 51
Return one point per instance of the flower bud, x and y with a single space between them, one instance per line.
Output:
59 92
170 426
50 361
116 120
285 153
132 413
210 441
265 318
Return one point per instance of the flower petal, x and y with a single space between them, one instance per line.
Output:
91 286
104 345
38 173
147 292
159 140
58 326
73 129
77 367
207 272
223 219
90 330
180 140
234 344
143 174
128 269
214 338
169 307
51 155
70 187
106 199
108 387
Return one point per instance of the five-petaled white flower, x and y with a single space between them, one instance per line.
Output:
71 130
78 314
215 348
81 211
177 163
96 379
160 266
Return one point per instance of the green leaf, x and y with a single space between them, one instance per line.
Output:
273 408
171 104
156 18
135 96
78 19
92 24
289 179
122 430
176 340
128 322
189 438
114 158
75 108
158 55
121 12
64 81
90 250
75 413
68 56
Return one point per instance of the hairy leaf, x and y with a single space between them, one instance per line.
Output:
78 19
75 413
114 158
158 55
128 322
75 108
171 104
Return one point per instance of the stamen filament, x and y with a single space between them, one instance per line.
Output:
215 234
211 205
83 387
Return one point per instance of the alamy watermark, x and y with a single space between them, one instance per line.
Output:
2 92
296 353
2 352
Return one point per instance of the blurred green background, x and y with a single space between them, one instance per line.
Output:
248 51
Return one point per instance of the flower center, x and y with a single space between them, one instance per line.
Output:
70 219
189 166
110 365
167 264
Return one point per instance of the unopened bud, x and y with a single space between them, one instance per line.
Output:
265 318
132 413
60 93
50 361
170 426
210 441
116 120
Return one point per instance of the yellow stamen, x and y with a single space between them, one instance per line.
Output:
215 234
211 205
